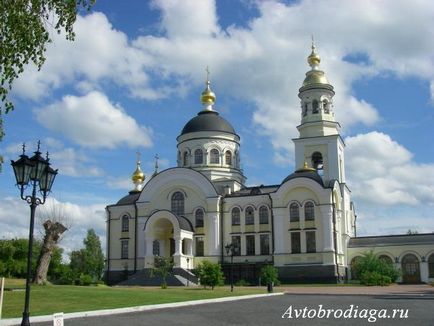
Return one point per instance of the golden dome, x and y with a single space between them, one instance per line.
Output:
315 77
138 176
207 96
313 59
305 168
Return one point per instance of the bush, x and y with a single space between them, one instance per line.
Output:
209 274
269 275
163 267
242 283
83 279
374 271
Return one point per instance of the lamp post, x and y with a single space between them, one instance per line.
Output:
230 250
34 172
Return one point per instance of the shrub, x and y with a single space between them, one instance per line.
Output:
210 274
269 275
163 267
85 279
242 283
374 271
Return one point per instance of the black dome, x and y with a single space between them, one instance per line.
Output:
313 175
208 121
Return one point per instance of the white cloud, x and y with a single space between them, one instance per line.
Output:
382 172
93 121
70 162
15 221
262 62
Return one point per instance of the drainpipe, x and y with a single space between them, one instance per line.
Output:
334 236
135 236
108 243
221 229
272 229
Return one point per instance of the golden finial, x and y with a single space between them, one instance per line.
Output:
305 168
138 176
208 97
313 59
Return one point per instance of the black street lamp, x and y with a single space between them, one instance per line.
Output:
231 249
35 171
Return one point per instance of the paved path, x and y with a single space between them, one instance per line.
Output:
418 299
268 311
410 289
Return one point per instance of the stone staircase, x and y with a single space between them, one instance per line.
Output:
179 277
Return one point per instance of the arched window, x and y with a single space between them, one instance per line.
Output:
315 106
185 158
305 109
156 248
235 216
228 158
198 156
199 218
386 259
214 157
309 211
178 203
325 105
317 161
263 215
431 266
294 213
250 219
125 224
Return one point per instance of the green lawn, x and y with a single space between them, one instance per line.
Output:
46 300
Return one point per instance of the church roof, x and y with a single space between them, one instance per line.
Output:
313 175
131 198
208 121
184 223
251 191
392 240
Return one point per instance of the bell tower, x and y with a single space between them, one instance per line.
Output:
319 143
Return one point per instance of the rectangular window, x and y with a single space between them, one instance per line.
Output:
124 249
250 245
199 247
295 243
236 241
265 244
310 241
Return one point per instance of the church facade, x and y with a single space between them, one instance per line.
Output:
202 209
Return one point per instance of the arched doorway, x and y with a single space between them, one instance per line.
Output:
410 269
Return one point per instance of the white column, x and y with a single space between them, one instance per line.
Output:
149 246
424 271
280 229
327 222
178 245
213 234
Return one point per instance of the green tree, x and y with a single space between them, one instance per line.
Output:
269 275
375 271
93 256
24 33
210 274
163 267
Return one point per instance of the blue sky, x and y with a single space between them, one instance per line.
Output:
133 78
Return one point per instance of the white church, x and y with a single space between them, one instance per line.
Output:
305 226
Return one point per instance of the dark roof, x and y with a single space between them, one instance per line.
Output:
131 198
184 223
392 240
313 175
208 121
252 191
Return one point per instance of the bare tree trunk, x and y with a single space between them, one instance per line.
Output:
53 231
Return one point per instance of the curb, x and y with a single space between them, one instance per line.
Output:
405 295
105 312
